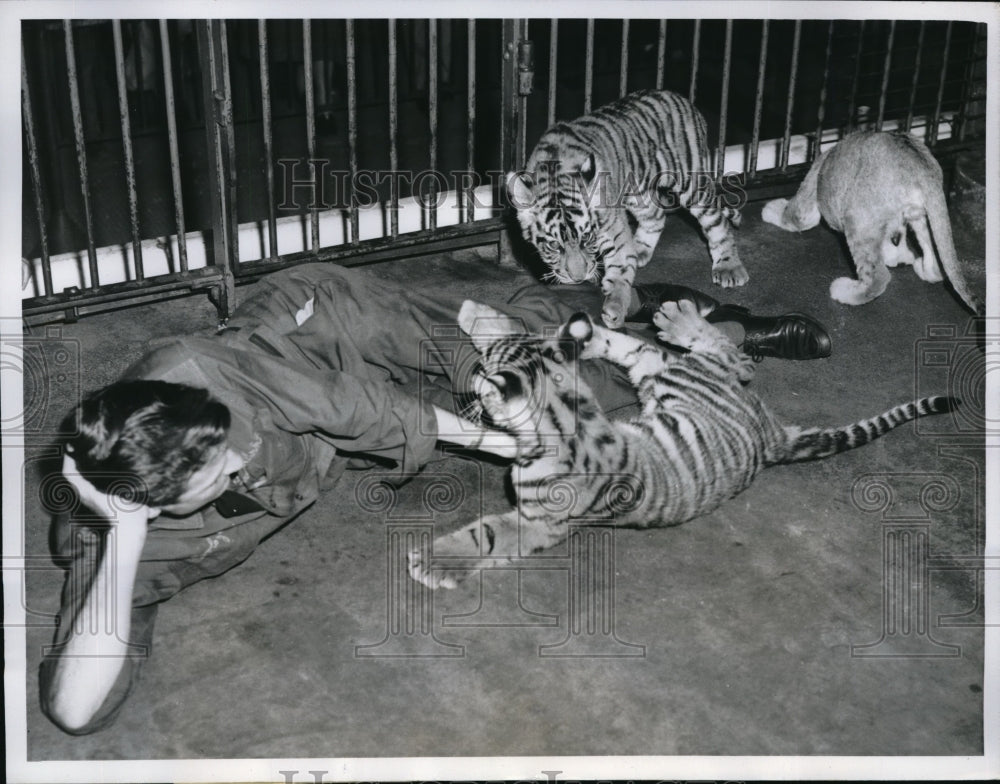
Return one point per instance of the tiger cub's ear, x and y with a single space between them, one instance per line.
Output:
588 167
519 190
485 325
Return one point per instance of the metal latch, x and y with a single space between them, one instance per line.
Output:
525 67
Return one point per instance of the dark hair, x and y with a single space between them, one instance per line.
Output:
148 437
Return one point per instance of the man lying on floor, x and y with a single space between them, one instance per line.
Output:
225 437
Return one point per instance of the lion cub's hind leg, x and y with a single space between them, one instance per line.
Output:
801 212
866 245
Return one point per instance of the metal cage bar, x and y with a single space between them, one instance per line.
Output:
727 58
886 70
821 109
588 80
553 71
695 57
310 96
81 151
853 102
432 119
127 152
31 141
932 132
758 104
352 126
661 53
908 122
267 134
974 83
623 63
790 99
393 129
221 145
175 155
470 128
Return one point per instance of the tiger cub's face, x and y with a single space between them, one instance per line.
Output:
553 209
525 386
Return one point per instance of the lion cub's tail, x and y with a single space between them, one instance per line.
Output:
931 220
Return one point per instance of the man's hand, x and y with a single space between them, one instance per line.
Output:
111 507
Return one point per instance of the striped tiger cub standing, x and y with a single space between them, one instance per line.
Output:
701 436
635 158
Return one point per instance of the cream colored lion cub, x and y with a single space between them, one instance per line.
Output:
874 186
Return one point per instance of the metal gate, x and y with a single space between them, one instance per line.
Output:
163 156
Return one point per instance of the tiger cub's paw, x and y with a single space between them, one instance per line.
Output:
616 303
680 324
420 570
452 557
729 273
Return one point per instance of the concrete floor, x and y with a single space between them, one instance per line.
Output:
732 634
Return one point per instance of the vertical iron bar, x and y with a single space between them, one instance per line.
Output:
727 55
81 150
790 101
695 46
307 78
220 141
821 112
661 53
133 199
975 73
852 104
393 132
268 133
432 114
175 157
553 63
512 143
470 142
588 78
227 137
290 70
140 72
36 174
521 99
352 125
932 133
886 68
623 68
758 105
916 77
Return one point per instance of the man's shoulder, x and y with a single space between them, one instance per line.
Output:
182 360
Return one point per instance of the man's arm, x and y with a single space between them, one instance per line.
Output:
89 662
455 430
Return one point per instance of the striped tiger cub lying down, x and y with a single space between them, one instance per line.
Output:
700 438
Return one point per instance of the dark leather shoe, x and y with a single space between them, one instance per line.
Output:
653 295
791 336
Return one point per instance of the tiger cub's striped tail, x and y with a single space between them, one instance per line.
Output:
813 443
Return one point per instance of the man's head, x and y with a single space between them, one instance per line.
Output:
167 438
